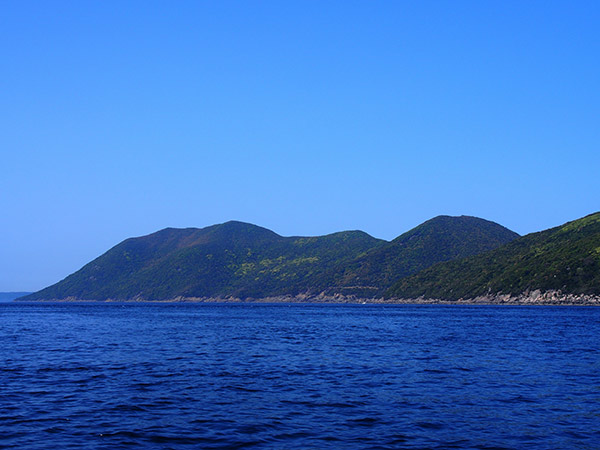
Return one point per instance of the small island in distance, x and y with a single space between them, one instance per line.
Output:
10 296
444 260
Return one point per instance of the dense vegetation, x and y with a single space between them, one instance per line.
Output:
442 238
231 259
565 258
243 260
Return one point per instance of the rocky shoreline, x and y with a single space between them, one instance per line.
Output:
527 298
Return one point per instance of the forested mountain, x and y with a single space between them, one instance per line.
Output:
442 238
243 260
565 258
230 259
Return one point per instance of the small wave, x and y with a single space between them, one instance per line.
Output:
127 407
436 371
430 425
518 399
124 433
364 421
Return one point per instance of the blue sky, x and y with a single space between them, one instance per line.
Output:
119 118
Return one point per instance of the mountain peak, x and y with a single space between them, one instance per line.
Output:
461 228
565 258
234 229
457 220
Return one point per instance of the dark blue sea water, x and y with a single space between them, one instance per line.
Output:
178 376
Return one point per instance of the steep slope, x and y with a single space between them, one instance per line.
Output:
233 258
565 258
442 238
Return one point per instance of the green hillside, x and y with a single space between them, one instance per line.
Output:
565 258
243 260
442 238
231 259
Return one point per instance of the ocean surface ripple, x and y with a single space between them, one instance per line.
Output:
233 376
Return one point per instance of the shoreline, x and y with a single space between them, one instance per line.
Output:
534 298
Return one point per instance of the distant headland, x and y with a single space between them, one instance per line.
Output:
10 296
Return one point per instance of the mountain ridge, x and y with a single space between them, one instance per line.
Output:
243 260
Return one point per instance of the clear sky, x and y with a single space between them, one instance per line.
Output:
119 118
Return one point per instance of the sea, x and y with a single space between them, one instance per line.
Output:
298 376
